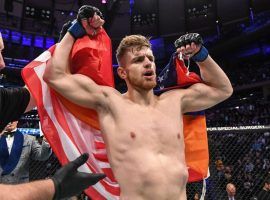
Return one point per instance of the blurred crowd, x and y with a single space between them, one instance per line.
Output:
239 158
248 73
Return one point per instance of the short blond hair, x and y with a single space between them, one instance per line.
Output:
129 42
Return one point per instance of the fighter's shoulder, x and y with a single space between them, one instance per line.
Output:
174 93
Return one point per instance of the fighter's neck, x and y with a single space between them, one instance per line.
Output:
141 97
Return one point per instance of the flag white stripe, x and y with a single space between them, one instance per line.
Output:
70 149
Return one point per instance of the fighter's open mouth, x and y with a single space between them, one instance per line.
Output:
149 73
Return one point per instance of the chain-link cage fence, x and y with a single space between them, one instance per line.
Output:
241 158
43 169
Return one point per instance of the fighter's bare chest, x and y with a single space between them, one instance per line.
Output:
151 119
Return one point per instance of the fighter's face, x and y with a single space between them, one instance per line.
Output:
140 69
2 63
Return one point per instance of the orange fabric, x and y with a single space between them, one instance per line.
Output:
86 115
196 146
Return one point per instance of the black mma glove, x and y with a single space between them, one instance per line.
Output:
69 182
86 12
75 27
202 54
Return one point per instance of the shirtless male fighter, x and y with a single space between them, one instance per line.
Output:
142 131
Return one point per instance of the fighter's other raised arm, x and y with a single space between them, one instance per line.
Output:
216 86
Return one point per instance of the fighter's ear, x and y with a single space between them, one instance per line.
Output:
121 72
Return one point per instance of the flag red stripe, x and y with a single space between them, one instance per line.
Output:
30 77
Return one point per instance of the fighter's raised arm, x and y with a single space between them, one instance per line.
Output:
216 86
75 87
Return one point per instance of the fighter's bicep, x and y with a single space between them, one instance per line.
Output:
80 90
199 97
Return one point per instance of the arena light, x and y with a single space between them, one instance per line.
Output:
200 11
30 131
16 37
26 39
30 11
45 14
49 42
37 13
38 41
5 34
144 19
